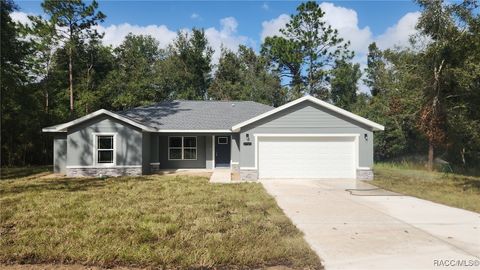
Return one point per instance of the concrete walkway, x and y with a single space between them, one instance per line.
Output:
377 232
221 175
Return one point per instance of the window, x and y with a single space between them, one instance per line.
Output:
105 149
222 140
182 148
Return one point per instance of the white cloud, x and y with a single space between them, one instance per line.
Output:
229 25
398 34
272 27
346 22
115 34
195 16
227 37
21 17
265 6
343 19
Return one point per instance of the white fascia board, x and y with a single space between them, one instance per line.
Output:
306 135
63 127
194 131
53 129
324 104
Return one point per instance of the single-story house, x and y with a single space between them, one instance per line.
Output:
306 138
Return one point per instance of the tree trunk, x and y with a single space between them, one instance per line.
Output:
70 75
46 101
45 86
296 82
430 156
310 77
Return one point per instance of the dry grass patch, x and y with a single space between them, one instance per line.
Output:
450 189
151 221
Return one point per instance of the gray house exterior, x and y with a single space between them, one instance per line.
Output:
306 138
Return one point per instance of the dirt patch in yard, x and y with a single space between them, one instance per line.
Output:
235 176
185 173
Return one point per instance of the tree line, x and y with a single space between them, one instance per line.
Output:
56 68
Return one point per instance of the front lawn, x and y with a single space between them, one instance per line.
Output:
450 189
150 221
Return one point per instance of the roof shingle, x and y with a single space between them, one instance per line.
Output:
195 115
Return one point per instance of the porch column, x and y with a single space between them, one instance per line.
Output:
154 153
209 156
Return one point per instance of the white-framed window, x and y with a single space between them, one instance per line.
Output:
182 148
104 148
222 140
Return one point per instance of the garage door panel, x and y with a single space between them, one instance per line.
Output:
306 157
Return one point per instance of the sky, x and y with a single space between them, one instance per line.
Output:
231 23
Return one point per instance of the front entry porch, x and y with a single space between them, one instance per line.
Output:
173 151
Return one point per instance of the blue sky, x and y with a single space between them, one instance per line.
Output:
250 14
230 23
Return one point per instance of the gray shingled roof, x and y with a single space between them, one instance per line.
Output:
195 115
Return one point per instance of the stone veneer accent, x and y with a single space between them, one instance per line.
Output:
154 168
364 174
97 171
249 175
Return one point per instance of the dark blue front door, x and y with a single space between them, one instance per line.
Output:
222 151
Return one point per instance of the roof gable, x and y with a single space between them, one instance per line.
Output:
180 116
63 127
323 104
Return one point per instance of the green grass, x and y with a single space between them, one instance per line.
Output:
19 172
451 189
150 221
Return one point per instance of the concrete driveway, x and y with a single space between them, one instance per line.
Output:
378 232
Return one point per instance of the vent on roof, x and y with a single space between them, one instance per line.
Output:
233 104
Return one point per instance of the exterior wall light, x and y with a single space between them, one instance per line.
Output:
365 136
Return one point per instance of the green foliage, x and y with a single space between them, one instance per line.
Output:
462 100
344 84
452 30
19 102
133 80
309 45
286 57
73 22
245 76
190 65
425 96
395 105
428 97
376 77
96 62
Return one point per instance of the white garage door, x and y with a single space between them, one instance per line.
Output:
306 157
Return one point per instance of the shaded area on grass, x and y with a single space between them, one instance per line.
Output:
159 221
447 188
19 172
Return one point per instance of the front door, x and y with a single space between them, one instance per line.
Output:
222 151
